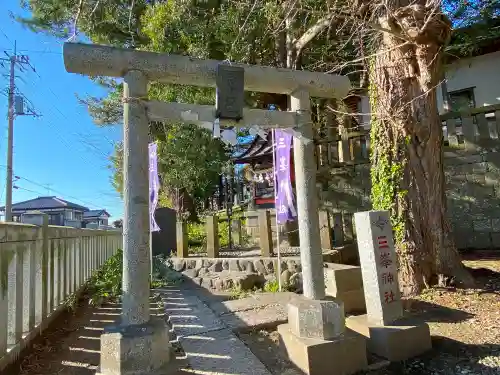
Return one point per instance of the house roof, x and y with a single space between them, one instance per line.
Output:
474 40
94 213
258 150
45 203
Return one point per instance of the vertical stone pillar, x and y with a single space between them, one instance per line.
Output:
182 239
265 233
236 232
15 292
140 344
212 226
307 200
379 266
136 262
388 334
325 230
42 258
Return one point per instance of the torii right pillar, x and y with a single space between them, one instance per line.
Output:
315 337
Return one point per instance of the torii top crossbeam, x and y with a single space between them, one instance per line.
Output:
96 60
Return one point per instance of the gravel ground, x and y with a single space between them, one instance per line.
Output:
465 325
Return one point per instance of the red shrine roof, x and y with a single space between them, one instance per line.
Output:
259 150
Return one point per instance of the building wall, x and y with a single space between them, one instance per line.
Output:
473 196
480 72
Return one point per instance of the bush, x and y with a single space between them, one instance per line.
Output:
197 236
105 285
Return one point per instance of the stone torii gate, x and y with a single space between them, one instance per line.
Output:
140 342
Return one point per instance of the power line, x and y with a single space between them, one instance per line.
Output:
15 108
21 188
35 51
5 35
62 114
47 186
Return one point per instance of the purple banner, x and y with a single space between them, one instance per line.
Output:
283 186
154 186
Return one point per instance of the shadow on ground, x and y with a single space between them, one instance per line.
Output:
200 318
71 346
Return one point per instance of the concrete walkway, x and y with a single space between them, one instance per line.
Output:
210 345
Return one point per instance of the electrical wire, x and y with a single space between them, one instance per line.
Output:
46 186
62 114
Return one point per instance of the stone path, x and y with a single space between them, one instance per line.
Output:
206 335
204 324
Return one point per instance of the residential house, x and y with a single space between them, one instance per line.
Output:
472 80
60 212
95 218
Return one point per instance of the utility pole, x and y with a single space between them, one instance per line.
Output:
12 111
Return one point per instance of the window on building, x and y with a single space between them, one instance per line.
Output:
461 100
68 215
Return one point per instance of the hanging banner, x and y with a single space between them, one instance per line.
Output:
154 186
285 209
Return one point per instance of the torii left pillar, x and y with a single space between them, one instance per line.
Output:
140 344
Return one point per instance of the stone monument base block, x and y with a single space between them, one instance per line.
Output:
137 350
399 341
343 355
353 300
320 319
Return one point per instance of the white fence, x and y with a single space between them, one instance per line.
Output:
40 266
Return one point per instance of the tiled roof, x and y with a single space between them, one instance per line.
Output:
94 213
42 203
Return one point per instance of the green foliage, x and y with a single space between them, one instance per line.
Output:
106 283
238 293
197 235
272 286
387 171
189 161
476 23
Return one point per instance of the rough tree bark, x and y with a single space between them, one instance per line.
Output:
406 141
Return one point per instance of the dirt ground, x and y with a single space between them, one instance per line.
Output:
465 325
72 345
465 328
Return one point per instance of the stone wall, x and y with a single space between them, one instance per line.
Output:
242 273
473 196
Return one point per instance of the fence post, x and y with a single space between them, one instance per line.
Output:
52 272
42 271
325 230
29 284
265 233
3 292
182 239
236 232
212 226
15 293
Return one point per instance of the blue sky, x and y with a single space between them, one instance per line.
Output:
61 152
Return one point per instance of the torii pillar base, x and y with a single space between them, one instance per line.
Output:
142 349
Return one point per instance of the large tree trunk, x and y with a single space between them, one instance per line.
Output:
406 139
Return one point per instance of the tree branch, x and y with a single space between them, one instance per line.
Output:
310 34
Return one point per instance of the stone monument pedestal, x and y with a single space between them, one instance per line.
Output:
142 349
316 340
397 341
345 283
